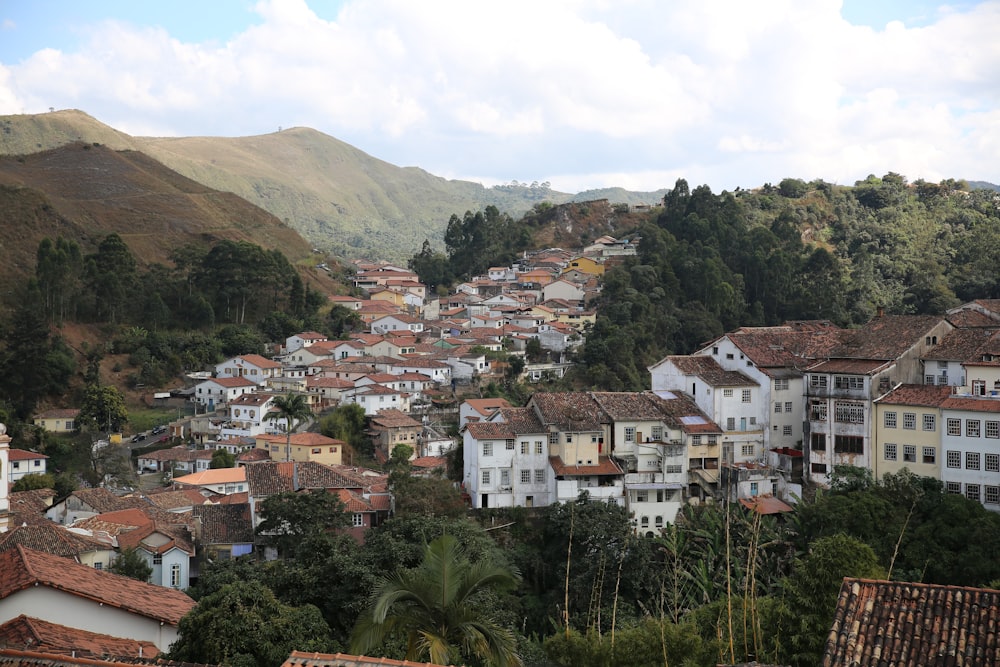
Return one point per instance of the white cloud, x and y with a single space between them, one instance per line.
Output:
576 91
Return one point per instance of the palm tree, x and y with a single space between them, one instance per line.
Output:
434 607
293 409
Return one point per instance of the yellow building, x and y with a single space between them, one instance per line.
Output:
906 430
585 265
304 447
59 420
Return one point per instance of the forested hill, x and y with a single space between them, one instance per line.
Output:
711 262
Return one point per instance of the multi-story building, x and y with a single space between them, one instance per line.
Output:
970 440
907 430
507 460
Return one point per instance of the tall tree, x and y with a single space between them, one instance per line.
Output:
293 409
434 609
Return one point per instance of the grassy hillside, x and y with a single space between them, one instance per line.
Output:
338 197
84 192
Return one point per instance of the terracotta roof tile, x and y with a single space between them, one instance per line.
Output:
709 370
225 524
24 455
886 337
961 344
913 625
522 421
38 635
393 418
572 412
927 395
59 413
102 500
490 430
21 568
52 539
604 466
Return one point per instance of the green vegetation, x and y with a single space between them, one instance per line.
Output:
130 563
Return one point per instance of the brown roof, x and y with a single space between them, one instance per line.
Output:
102 500
572 412
971 403
966 318
680 411
24 455
709 370
927 395
850 366
38 635
266 478
886 337
50 538
766 505
629 406
59 413
961 344
913 625
301 659
785 346
238 381
604 466
490 430
23 568
173 499
522 421
225 524
34 502
304 439
393 418
259 361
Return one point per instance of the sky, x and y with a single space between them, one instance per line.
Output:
579 93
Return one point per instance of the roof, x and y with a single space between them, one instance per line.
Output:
886 337
604 466
393 418
103 500
231 382
521 421
572 412
490 430
255 360
785 346
24 455
926 395
38 635
214 476
23 568
301 659
50 538
59 413
709 370
960 344
304 439
910 625
266 478
765 505
851 366
225 524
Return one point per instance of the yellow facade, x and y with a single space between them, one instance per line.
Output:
906 436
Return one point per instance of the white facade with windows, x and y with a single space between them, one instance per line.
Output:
970 442
505 468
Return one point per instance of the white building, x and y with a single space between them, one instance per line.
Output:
219 391
970 440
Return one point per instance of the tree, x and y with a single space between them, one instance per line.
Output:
289 518
130 563
34 481
103 407
222 458
434 608
293 409
347 423
244 625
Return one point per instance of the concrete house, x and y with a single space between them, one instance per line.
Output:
58 420
253 367
21 462
217 392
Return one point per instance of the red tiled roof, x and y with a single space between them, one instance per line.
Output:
490 430
971 403
39 635
927 395
604 466
885 338
709 370
259 361
850 366
572 412
232 382
24 455
426 462
52 539
22 568
913 625
393 418
765 505
225 524
522 421
59 413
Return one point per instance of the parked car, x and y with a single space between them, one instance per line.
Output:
157 430
138 437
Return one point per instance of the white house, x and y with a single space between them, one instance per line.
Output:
22 462
506 461
970 441
247 416
304 339
218 480
218 391
397 322
250 366
563 289
374 397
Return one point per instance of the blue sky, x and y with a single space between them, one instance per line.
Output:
581 93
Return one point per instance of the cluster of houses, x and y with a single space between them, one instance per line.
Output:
757 413
56 592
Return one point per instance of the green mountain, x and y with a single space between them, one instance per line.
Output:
339 198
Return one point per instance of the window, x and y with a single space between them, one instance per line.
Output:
953 487
954 427
540 476
930 455
157 559
569 437
645 522
730 423
642 496
817 382
972 428
972 460
175 575
978 388
777 407
781 385
993 463
910 453
849 444
525 476
746 395
953 458
788 406
317 450
889 451
673 469
656 432
553 438
486 477
358 520
659 522
786 430
510 444
16 464
889 419
993 429
747 450
524 448
629 434
817 411
754 488
713 439
818 468
993 495
849 413
695 439
727 393
929 423
909 421
505 477
539 447
487 449
98 565
972 492
817 442
848 382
